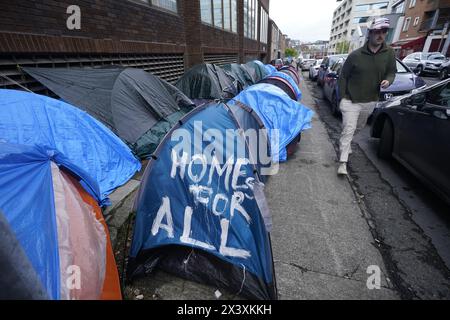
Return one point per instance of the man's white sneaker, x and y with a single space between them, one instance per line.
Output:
342 170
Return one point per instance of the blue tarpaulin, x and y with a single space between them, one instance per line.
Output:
31 119
278 112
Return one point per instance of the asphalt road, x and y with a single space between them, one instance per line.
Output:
413 225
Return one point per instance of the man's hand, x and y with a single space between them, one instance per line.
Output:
385 84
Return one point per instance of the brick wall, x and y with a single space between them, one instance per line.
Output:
117 27
107 26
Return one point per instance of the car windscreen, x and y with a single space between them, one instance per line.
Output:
335 59
401 68
433 56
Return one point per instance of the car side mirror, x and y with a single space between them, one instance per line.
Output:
322 66
333 75
417 100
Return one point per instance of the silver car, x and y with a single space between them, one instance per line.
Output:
314 70
425 62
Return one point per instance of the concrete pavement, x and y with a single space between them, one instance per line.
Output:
321 241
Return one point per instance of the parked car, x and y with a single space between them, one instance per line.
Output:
326 65
425 62
314 70
414 129
444 70
307 63
405 81
277 63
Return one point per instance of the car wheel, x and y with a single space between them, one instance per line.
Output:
443 74
386 145
419 70
334 105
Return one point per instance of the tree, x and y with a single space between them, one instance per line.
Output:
290 52
343 47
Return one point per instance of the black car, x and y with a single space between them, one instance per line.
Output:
415 130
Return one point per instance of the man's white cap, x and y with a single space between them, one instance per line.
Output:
379 23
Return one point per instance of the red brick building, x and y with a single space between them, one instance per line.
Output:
162 36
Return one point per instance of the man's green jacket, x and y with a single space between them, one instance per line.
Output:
363 72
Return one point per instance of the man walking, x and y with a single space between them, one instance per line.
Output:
365 71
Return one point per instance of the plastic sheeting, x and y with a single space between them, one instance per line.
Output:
257 70
81 242
283 117
32 119
204 222
208 81
136 105
240 72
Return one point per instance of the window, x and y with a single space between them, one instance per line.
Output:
416 21
246 10
399 8
221 14
439 96
250 19
227 15
407 23
206 11
412 3
170 5
401 68
264 26
380 5
234 15
362 7
218 20
360 20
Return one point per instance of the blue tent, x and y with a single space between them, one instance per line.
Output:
270 69
28 204
201 210
32 119
279 113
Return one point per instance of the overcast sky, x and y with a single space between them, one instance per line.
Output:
305 20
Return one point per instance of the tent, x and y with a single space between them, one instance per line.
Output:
241 73
201 209
32 119
257 70
208 82
285 82
270 69
137 106
283 117
291 71
55 243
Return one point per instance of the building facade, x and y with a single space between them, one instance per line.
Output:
424 27
165 37
350 21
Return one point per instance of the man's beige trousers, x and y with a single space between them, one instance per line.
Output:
354 118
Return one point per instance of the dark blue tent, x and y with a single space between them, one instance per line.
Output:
283 117
32 119
201 210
